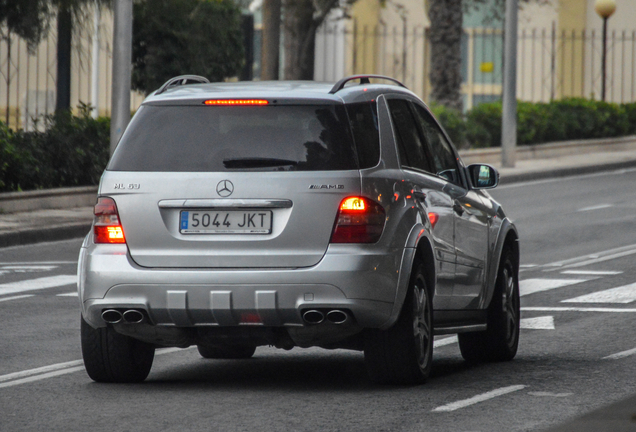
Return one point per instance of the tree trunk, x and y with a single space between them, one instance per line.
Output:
270 55
300 37
64 34
446 36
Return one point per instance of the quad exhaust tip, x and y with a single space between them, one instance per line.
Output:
130 316
335 316
112 316
313 317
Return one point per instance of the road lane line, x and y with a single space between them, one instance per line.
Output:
71 294
41 377
538 323
603 259
596 207
37 284
446 341
576 309
621 355
549 394
592 272
479 398
40 370
624 294
3 299
630 249
54 370
531 286
38 263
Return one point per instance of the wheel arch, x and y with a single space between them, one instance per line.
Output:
508 238
422 250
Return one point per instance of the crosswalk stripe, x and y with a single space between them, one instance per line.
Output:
538 323
624 294
37 284
592 272
531 286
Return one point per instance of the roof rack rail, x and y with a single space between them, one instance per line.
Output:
182 80
364 79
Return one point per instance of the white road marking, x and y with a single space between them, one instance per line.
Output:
3 299
531 286
591 258
548 394
37 284
54 370
29 267
32 263
576 309
625 294
596 207
528 265
479 398
621 355
446 341
42 376
71 294
538 323
592 272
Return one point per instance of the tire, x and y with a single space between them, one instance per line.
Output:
226 351
114 358
403 354
501 339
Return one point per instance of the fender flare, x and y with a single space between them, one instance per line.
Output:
419 241
508 234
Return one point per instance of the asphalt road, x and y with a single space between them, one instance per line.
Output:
577 349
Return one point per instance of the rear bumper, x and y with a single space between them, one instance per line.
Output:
357 278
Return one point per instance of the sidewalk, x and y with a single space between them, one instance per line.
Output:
50 225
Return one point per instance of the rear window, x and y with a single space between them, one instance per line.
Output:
231 138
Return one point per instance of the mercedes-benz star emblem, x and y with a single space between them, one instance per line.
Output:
225 188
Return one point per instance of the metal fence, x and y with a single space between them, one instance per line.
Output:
551 63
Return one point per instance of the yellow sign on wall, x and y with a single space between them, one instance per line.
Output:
487 67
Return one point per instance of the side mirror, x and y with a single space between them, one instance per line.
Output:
483 176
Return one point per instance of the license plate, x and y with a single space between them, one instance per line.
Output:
226 222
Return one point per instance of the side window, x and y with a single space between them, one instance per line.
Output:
412 150
443 157
363 118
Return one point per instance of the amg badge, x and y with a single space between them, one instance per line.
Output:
326 186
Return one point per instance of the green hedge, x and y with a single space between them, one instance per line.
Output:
72 151
567 119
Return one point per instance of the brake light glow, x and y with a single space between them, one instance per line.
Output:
359 220
106 226
226 102
353 204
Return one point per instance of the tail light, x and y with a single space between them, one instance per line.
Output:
107 227
359 220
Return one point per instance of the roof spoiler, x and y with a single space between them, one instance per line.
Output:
364 79
182 80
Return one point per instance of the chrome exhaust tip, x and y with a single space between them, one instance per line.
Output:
337 316
313 317
112 316
133 316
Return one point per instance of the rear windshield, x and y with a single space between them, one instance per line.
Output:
231 138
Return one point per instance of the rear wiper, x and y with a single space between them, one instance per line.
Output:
256 162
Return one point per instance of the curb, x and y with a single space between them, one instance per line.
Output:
511 178
48 234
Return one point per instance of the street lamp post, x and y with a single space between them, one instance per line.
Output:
605 9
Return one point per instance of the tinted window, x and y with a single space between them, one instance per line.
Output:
408 136
222 138
363 118
443 157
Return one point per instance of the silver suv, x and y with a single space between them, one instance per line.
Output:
294 214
